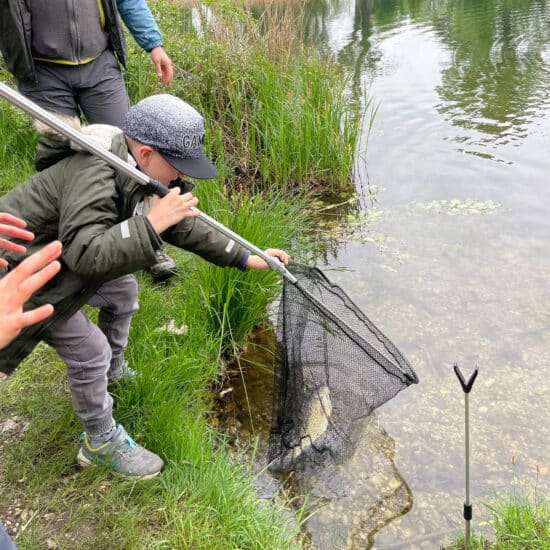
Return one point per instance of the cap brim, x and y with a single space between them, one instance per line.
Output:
200 168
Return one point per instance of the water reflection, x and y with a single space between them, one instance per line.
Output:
498 81
496 76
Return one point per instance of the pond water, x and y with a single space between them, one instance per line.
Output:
454 265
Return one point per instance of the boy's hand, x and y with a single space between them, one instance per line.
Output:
171 209
255 262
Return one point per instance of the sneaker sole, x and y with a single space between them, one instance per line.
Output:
84 462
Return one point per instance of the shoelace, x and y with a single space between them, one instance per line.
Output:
131 445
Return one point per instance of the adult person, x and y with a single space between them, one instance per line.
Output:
109 228
15 290
66 57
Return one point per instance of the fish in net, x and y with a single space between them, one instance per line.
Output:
333 366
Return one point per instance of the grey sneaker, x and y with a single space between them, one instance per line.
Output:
122 454
165 268
121 373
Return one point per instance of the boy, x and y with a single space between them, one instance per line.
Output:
110 228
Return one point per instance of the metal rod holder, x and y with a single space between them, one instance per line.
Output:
467 388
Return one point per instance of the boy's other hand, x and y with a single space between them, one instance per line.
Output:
171 209
255 262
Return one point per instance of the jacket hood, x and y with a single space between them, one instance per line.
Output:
54 146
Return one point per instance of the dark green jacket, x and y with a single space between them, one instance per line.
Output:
90 207
15 36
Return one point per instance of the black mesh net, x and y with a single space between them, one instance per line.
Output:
333 367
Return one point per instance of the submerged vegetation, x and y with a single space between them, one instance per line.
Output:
279 127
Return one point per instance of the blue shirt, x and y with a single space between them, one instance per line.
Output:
140 22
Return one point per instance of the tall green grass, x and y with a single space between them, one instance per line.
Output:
17 143
278 111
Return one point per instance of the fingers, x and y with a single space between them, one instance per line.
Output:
12 220
185 201
29 318
12 247
38 264
16 232
281 254
30 285
163 65
190 201
171 209
168 72
255 262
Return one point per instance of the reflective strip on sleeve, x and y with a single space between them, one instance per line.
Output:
125 229
229 246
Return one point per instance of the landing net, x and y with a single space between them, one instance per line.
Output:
333 367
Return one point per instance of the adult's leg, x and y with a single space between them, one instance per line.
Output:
101 91
53 90
118 302
87 353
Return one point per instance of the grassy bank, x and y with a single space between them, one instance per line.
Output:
518 522
277 122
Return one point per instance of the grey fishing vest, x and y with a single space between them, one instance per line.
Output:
67 31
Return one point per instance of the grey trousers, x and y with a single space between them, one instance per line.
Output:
97 88
90 350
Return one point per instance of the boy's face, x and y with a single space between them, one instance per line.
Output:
152 163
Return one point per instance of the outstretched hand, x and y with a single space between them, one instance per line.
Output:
17 287
163 65
255 262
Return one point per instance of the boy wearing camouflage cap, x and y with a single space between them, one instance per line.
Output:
110 228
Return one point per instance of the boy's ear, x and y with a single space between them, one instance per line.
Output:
144 155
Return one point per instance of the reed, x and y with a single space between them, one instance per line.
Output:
277 111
